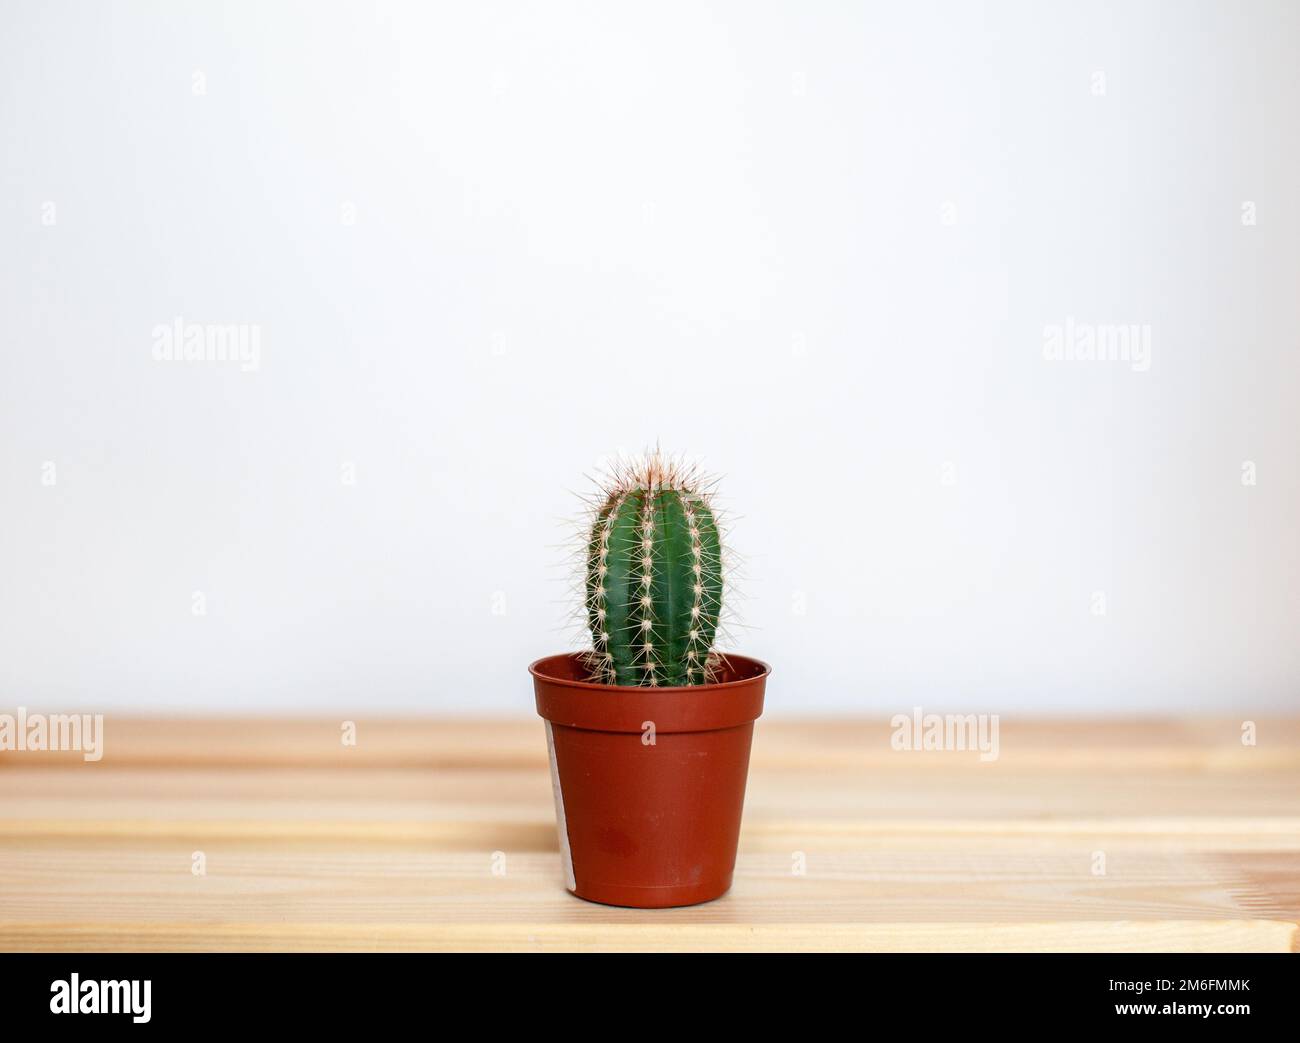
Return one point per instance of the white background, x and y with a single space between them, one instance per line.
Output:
816 244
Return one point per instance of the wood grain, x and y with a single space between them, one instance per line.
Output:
389 844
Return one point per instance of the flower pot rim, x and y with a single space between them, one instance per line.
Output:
537 669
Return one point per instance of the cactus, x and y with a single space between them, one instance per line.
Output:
653 571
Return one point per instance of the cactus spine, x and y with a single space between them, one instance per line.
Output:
653 577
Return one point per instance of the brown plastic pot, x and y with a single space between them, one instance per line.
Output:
649 782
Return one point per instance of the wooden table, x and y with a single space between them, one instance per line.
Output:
439 834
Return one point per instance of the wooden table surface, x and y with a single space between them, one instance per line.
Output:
440 834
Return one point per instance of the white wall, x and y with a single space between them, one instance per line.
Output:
817 244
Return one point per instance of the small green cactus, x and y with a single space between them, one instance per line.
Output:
653 576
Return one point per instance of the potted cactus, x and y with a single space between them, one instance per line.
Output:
649 729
